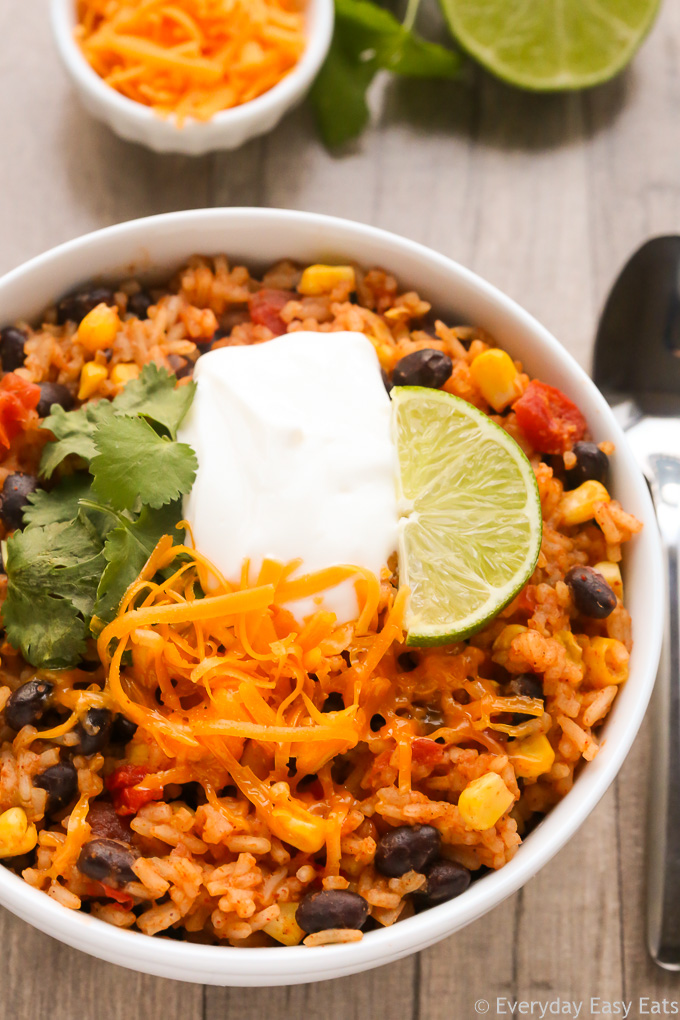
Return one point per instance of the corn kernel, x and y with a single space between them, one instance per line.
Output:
507 636
578 506
123 373
285 928
16 835
98 329
91 378
532 756
484 801
612 575
322 279
573 648
300 828
606 662
496 376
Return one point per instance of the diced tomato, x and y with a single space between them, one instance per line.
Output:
548 419
18 401
265 308
104 821
425 751
101 889
121 784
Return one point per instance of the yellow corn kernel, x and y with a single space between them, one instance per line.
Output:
532 756
137 754
612 575
285 928
298 827
98 329
578 506
91 378
123 373
16 835
573 648
606 662
496 376
322 279
507 636
484 801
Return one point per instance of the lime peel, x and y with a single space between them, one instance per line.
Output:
472 537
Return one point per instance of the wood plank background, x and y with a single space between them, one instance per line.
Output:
544 196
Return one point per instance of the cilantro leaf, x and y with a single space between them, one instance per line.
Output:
134 464
367 39
339 96
74 431
52 578
60 504
155 395
127 549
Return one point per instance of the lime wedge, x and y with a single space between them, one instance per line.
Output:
470 527
550 45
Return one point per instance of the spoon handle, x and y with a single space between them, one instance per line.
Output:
663 888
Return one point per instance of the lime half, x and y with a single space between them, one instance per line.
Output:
550 45
470 528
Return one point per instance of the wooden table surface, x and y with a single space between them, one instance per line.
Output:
544 196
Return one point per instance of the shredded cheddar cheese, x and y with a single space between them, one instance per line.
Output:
191 58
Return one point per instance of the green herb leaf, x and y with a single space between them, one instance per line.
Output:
155 395
127 549
339 96
52 578
135 465
74 432
369 38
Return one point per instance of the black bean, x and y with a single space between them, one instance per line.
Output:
423 368
181 367
525 685
592 595
107 860
123 730
377 722
333 908
15 493
27 705
94 730
193 794
591 465
12 352
445 881
61 783
333 703
407 662
386 380
52 393
139 304
433 719
408 848
74 307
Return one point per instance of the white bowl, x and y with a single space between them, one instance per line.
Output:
158 245
226 130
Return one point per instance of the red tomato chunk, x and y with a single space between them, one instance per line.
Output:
265 309
426 751
121 784
548 419
18 401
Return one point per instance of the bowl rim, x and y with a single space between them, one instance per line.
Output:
299 964
319 30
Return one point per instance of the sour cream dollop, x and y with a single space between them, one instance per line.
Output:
295 459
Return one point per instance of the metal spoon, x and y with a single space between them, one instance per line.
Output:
637 367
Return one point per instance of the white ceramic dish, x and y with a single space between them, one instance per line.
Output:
226 130
258 237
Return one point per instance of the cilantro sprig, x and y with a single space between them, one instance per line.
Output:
85 541
368 39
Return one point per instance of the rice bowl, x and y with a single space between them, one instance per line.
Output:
178 235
